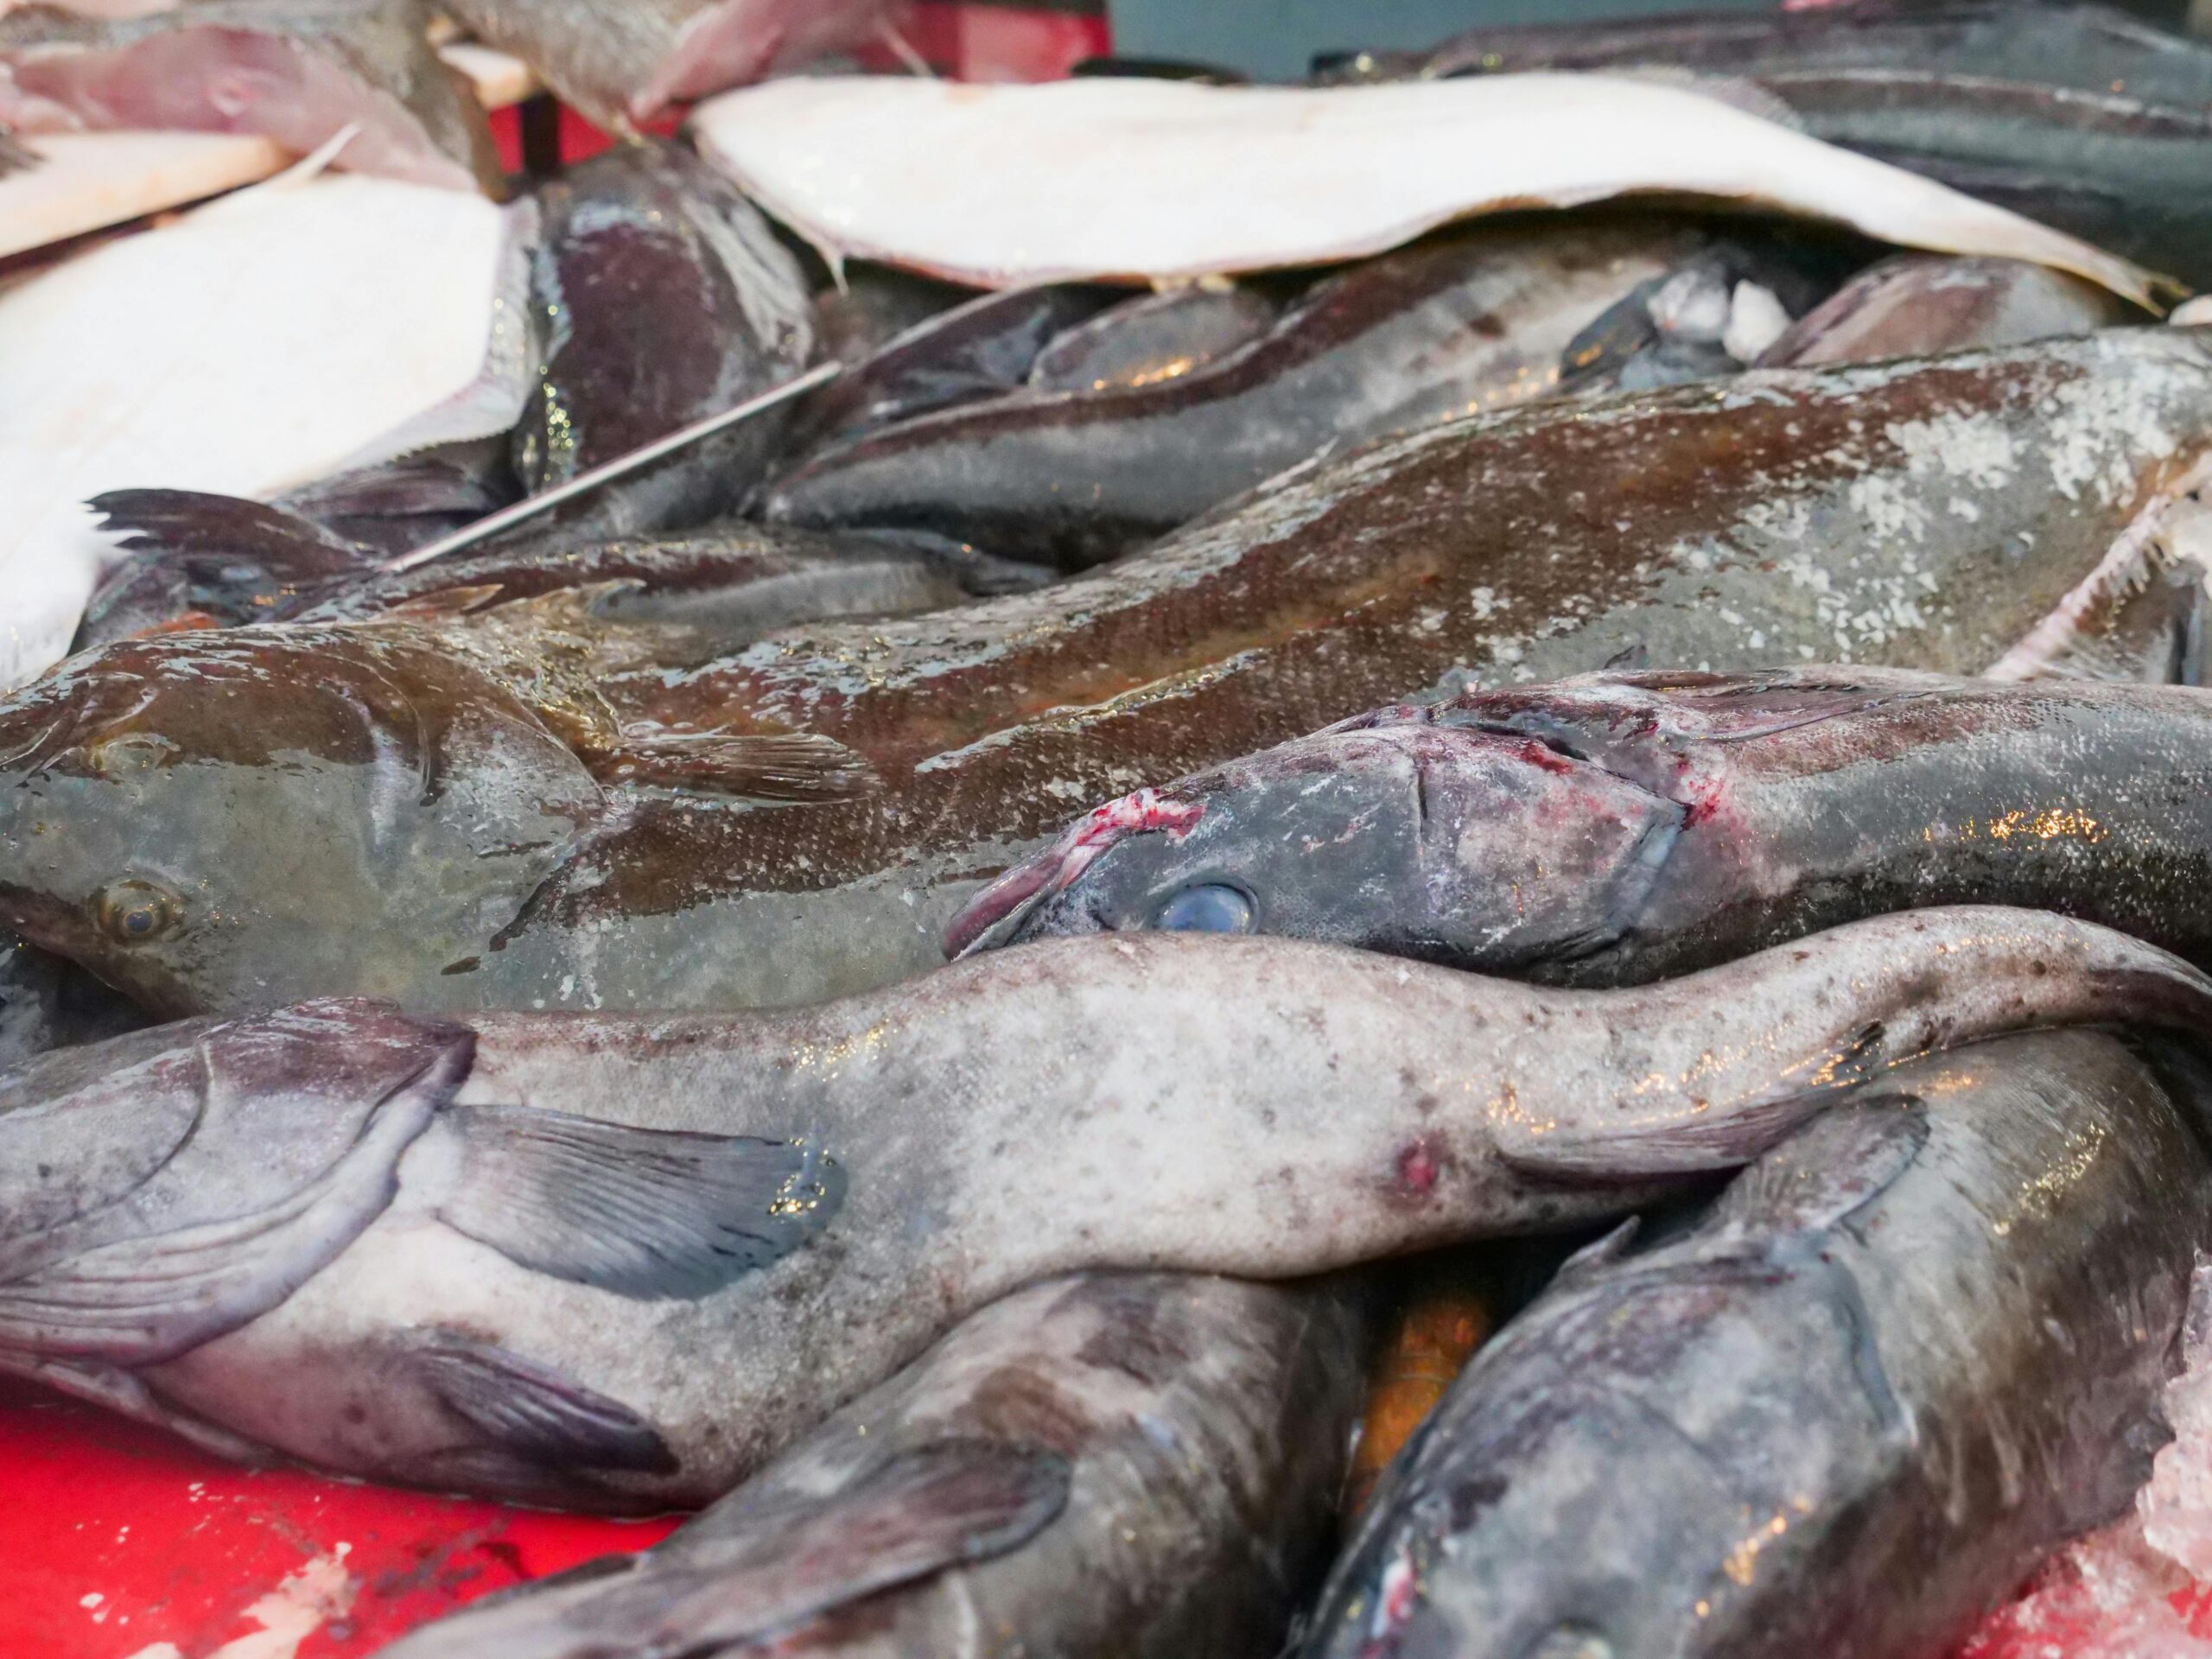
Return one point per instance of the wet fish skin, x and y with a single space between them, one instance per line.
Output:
1157 337
2077 116
1910 1352
1620 828
867 306
47 1003
1474 321
623 62
1201 1424
700 1235
1918 305
295 70
1783 514
662 297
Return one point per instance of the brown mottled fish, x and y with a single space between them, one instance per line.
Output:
1115 1466
1920 304
621 1261
411 809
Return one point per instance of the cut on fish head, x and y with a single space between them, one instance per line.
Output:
164 799
1391 831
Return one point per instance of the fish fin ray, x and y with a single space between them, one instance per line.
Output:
796 766
534 1413
1835 1164
645 1213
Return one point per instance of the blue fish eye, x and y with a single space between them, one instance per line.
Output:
1210 908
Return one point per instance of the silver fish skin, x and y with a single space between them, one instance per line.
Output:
661 297
624 61
1157 337
1908 1353
1618 827
296 71
1113 1466
618 1263
1920 305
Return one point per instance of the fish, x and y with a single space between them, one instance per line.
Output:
618 1261
662 297
982 347
864 307
1477 321
623 63
1162 336
1136 1464
45 1004
1909 1352
272 337
807 812
301 72
1918 305
1620 828
1183 181
200 561
2077 116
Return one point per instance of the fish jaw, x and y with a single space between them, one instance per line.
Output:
1486 849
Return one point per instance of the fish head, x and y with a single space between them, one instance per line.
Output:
218 819
1396 831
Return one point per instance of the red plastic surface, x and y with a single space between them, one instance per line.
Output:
116 1540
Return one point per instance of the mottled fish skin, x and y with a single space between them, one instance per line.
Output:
1142 342
47 1003
1920 514
1617 829
2078 116
662 297
622 62
640 1255
1472 323
1908 1353
1197 1427
1921 305
298 70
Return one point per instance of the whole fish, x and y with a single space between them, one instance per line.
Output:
624 61
296 71
1115 1465
45 1003
1621 828
208 561
1917 305
2077 116
1911 1350
662 297
619 1262
1159 337
1474 322
800 817
976 349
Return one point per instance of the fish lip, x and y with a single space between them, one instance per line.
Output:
994 915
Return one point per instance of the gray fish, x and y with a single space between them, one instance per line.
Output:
47 1003
624 61
296 71
1918 305
1157 337
1618 828
1117 1466
1910 1352
2077 116
619 1262
1475 321
663 297
652 827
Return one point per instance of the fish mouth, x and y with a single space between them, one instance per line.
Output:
994 916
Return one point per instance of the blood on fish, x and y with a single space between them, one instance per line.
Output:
1418 1168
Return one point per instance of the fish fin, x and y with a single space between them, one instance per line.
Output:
455 478
444 603
17 156
648 1213
201 530
769 766
1593 1259
535 1414
1833 1166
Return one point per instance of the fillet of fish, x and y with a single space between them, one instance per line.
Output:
269 339
1159 180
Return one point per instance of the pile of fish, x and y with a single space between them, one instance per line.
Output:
1470 917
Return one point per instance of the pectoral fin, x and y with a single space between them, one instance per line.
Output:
642 1212
533 1414
773 767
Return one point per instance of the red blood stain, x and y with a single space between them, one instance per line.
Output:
1418 1168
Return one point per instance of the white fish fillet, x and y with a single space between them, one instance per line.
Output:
1163 180
267 339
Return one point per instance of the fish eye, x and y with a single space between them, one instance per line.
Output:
136 913
1209 907
127 754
